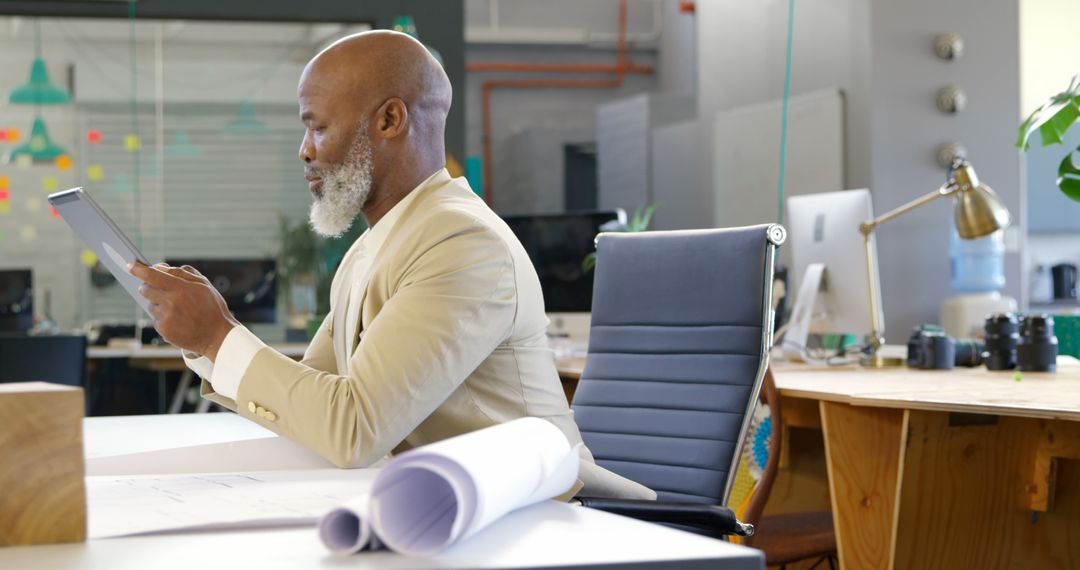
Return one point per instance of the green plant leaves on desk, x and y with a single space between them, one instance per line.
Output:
1052 120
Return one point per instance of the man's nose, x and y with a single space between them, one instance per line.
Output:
307 150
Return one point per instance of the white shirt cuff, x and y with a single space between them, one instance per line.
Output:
233 358
200 365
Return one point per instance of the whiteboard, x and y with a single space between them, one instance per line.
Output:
746 153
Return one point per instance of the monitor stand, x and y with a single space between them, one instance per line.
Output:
802 314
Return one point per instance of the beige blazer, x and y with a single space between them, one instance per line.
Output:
451 340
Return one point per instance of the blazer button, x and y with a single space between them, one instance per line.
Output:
270 416
260 411
251 407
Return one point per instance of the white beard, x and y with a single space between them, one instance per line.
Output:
344 190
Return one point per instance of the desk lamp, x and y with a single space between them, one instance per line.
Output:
977 212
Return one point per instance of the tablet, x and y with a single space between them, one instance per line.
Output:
102 236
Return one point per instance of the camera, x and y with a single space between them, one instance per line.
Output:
1037 347
930 348
1002 334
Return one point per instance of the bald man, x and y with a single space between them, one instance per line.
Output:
436 324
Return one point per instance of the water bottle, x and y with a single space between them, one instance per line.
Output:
978 265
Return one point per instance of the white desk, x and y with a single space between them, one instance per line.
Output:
547 535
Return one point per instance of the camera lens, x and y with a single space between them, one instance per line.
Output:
1037 348
969 353
1002 333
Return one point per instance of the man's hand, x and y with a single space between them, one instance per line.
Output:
188 311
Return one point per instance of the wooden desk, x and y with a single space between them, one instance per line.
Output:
167 358
569 373
946 469
545 535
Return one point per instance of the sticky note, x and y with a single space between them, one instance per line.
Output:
5 182
63 162
28 233
24 161
93 136
95 172
132 143
49 184
33 204
12 135
54 212
5 207
88 258
5 195
3 135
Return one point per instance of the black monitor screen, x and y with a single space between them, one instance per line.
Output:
16 300
248 285
557 244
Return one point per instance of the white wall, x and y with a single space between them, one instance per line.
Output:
1049 49
1049 58
741 56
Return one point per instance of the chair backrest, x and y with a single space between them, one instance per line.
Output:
58 359
681 327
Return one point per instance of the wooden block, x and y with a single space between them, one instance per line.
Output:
42 475
864 450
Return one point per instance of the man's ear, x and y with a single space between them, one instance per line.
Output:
392 118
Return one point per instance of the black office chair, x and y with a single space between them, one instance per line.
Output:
58 359
681 328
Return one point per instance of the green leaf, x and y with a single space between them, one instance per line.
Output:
642 218
1053 118
1069 176
589 262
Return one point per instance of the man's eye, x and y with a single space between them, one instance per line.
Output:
320 129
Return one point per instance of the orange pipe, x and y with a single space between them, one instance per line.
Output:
623 65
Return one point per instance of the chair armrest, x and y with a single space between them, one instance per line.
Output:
717 520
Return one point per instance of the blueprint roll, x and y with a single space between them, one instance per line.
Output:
347 529
432 497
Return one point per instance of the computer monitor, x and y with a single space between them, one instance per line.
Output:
829 266
557 244
248 285
16 300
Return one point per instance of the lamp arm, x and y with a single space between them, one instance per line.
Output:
946 189
877 334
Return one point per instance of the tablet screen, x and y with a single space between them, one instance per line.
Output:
98 232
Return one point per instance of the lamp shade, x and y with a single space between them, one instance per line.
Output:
39 90
977 210
246 123
39 147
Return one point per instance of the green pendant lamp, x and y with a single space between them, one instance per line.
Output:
181 145
406 25
39 89
246 123
38 147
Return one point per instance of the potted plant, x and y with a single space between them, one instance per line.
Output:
639 222
1052 120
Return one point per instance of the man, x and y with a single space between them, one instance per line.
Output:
436 324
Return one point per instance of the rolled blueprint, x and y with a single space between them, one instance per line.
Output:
347 529
431 497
